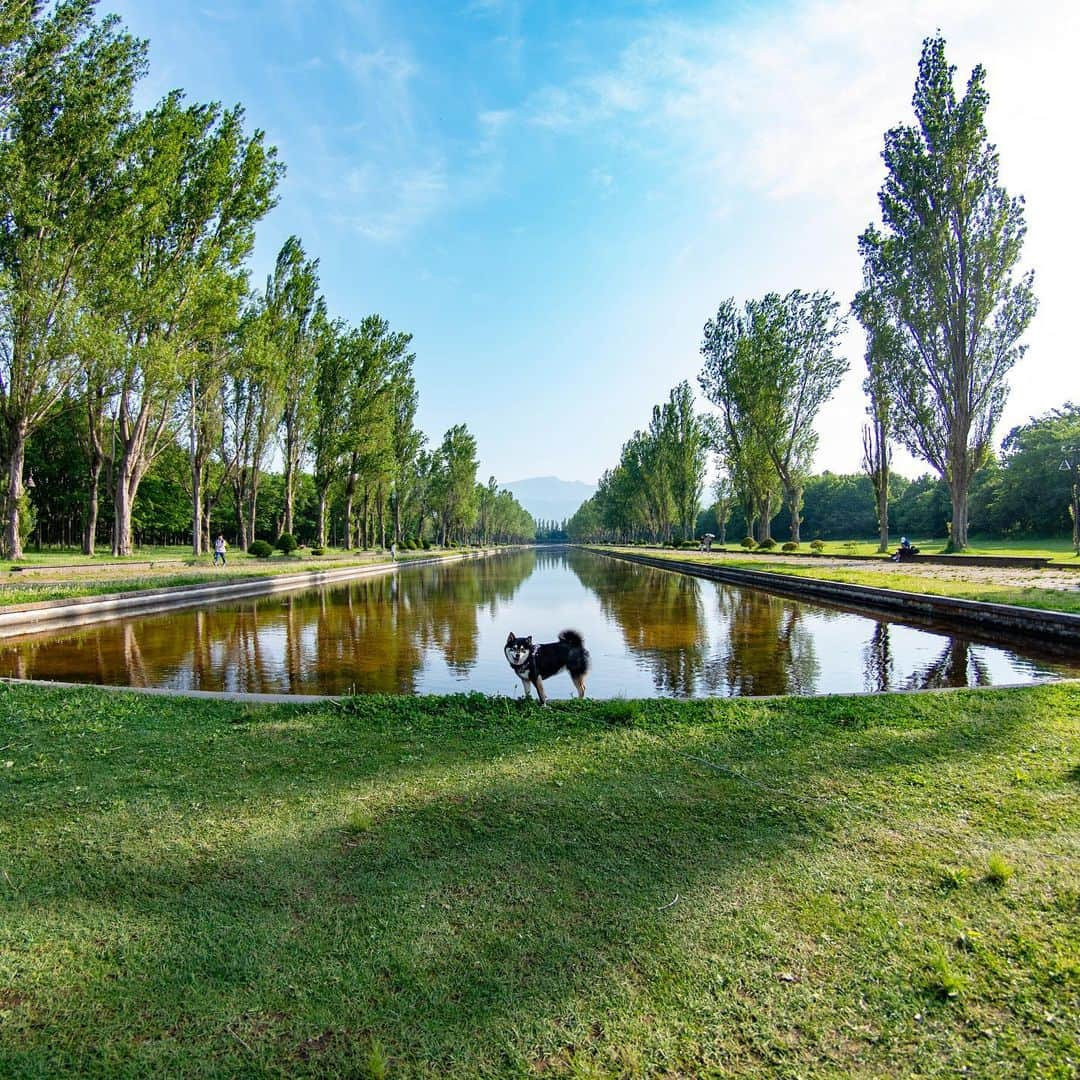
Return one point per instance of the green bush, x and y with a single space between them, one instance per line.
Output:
817 545
768 543
790 546
427 545
316 551
286 543
748 542
260 549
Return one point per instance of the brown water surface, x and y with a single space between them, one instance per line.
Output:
441 629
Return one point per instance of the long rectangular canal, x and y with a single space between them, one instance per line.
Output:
441 628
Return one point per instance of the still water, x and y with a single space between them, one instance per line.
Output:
441 628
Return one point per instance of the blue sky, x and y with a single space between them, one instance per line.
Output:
554 197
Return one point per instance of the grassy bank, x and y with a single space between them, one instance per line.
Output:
886 577
470 886
1057 548
107 577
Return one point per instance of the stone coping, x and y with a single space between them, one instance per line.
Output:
996 619
53 615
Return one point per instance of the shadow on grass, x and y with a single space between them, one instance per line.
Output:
512 873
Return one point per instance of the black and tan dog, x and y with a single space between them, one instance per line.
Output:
535 663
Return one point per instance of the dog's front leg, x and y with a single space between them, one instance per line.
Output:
525 684
541 693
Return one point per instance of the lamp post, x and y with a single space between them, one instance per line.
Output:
1070 463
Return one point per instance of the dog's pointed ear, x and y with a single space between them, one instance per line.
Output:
510 638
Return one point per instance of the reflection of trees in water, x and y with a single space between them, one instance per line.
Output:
768 649
957 665
370 634
878 659
660 615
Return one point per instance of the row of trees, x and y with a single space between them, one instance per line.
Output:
125 300
655 490
1021 492
943 311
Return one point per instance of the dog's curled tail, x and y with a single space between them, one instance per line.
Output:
573 639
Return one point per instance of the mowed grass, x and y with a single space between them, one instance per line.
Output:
80 580
1066 600
472 886
1057 548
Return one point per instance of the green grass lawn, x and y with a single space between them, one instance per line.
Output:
470 886
1057 548
866 574
24 589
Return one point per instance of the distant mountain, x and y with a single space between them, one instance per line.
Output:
548 497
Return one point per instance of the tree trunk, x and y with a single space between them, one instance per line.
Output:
794 495
238 511
958 533
127 484
196 509
320 524
883 514
12 543
252 509
89 536
350 491
287 522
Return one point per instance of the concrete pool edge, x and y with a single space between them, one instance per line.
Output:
1056 626
55 615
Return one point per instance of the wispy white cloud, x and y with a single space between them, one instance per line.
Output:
398 205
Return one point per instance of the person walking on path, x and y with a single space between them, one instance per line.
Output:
393 551
220 547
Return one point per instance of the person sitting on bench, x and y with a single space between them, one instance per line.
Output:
905 550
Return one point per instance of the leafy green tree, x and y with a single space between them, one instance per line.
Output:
943 266
770 370
328 434
200 185
455 482
66 85
294 312
378 355
252 394
1034 493
406 444
685 446
884 349
723 503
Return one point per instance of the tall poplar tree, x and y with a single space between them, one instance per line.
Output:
66 84
295 310
200 185
945 260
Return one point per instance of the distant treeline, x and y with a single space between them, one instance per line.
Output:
1023 492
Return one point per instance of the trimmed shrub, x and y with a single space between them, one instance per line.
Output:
286 543
316 551
260 549
748 542
768 543
790 546
427 545
816 546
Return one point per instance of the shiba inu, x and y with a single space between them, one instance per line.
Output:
534 663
